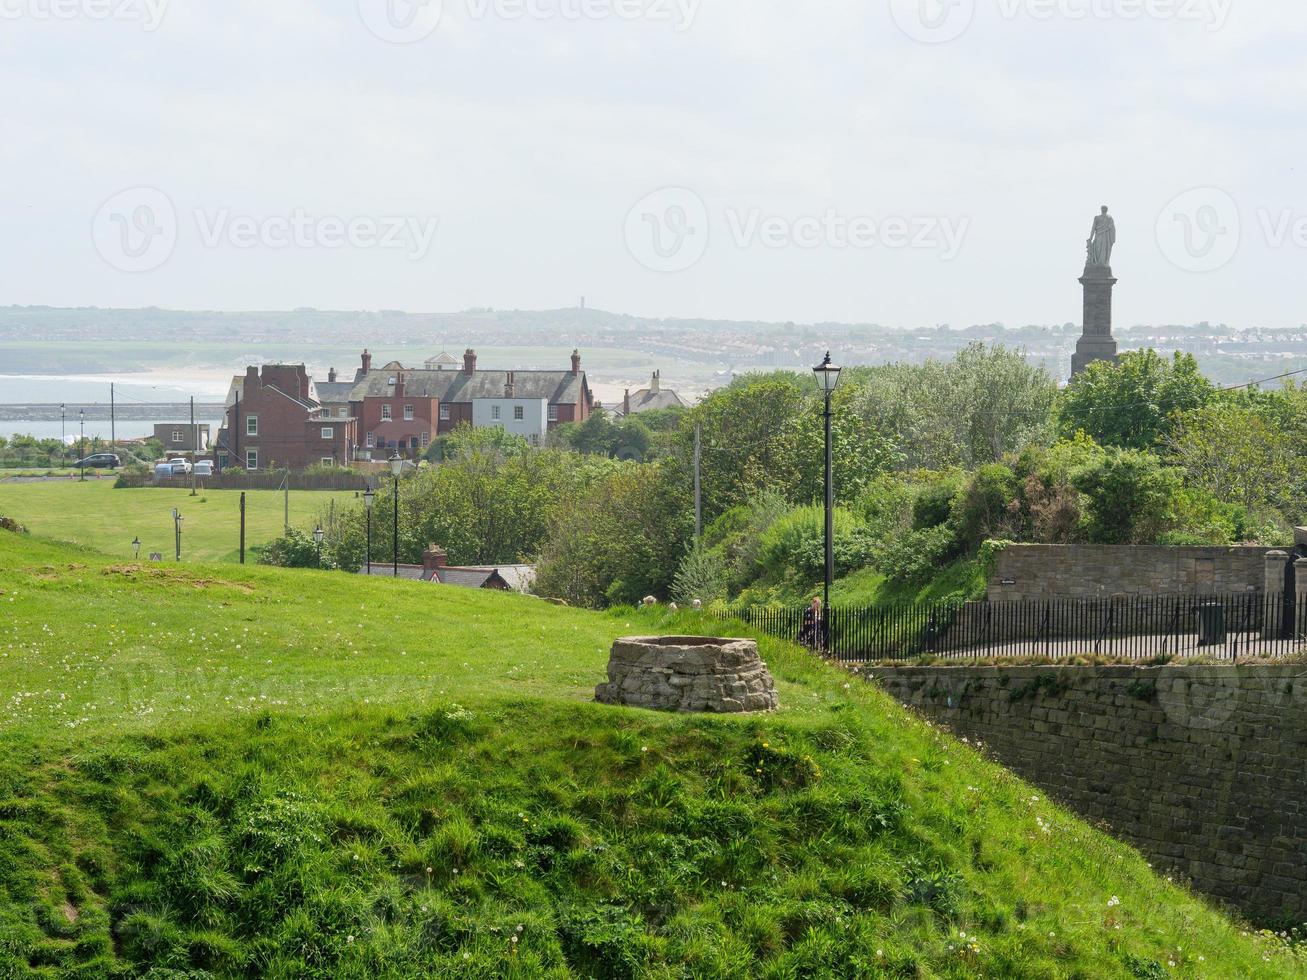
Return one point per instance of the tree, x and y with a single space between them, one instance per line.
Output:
985 403
1234 453
1133 404
1131 497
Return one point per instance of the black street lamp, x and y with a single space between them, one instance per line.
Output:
396 466
317 539
81 451
177 531
369 497
63 434
136 547
828 379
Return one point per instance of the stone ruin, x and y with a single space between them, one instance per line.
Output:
688 674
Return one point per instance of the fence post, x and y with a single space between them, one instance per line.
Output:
1276 566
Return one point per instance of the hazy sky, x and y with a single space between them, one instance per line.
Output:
907 162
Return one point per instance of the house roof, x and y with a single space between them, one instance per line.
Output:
519 577
557 387
443 359
387 570
333 391
470 578
647 400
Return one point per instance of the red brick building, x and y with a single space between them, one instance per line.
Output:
403 409
274 420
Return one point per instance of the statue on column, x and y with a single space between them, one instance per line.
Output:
1102 237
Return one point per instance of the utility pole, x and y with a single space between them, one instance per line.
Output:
194 441
698 498
113 421
242 527
286 483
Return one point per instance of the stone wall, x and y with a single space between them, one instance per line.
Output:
1050 571
688 673
1201 768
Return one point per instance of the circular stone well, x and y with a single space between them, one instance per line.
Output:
688 673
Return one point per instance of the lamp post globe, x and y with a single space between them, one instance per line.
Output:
827 375
317 540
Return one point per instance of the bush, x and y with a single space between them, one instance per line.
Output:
794 547
702 576
914 556
295 549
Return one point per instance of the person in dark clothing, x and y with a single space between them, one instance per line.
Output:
812 632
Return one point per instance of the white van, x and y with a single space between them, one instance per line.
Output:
204 467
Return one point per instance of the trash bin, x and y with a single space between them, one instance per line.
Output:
1211 624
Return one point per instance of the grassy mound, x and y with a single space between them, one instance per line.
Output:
250 772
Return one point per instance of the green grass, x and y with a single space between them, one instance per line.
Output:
225 771
95 515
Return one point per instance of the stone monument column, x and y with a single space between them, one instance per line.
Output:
1096 342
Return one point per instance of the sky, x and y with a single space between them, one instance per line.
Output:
901 162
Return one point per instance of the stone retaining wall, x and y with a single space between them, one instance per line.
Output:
1204 769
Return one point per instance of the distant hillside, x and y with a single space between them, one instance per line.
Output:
218 771
50 340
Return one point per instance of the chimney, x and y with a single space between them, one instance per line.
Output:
509 385
434 557
251 379
331 376
656 384
626 402
367 361
469 361
576 362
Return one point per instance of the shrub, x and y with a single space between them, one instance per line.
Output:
295 549
702 575
794 547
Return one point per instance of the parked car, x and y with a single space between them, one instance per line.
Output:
100 461
163 471
204 467
180 467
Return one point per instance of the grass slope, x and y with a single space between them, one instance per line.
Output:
239 772
95 515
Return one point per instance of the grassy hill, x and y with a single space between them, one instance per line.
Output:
96 515
223 771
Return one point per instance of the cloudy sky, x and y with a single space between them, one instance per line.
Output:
906 162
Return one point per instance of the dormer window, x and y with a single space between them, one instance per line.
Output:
393 381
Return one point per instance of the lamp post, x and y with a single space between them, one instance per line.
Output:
136 547
369 497
177 532
396 465
828 379
63 434
81 448
317 539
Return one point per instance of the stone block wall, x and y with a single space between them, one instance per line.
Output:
1204 769
1049 571
688 673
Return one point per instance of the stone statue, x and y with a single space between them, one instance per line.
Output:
1102 237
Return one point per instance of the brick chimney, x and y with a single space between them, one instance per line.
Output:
576 362
626 402
509 385
656 384
367 361
434 557
469 361
331 376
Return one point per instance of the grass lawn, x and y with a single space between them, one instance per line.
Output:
95 515
225 771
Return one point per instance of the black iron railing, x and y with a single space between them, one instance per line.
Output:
1133 627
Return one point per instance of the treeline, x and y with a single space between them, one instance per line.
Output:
931 461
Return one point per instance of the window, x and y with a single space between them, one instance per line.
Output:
444 413
328 432
519 413
412 442
391 381
408 413
494 412
222 461
386 415
251 425
553 413
176 435
328 461
372 440
426 439
343 413
251 459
